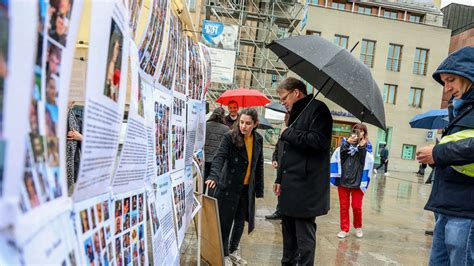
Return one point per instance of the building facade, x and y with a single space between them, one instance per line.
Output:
402 44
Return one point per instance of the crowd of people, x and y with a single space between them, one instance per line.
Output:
305 169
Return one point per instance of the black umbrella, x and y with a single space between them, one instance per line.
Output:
263 123
337 74
277 107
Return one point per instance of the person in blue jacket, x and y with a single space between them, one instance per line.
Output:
452 195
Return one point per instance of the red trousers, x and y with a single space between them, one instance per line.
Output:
345 202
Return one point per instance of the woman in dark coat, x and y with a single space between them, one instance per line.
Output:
240 160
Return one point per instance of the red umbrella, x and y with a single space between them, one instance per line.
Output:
244 97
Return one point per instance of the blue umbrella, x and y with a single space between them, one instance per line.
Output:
434 119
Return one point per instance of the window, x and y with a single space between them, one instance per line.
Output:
394 57
367 53
408 152
390 93
415 97
415 18
312 32
421 61
340 6
364 10
390 14
341 40
282 32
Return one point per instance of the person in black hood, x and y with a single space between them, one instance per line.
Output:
452 195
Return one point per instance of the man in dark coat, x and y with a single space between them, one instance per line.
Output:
303 174
452 195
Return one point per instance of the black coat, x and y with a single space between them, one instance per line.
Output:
232 162
304 168
453 192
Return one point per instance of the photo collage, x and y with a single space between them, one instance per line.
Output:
135 7
155 223
43 147
169 64
4 34
206 68
95 233
179 197
195 70
150 47
162 121
177 144
130 245
141 98
179 106
180 75
114 62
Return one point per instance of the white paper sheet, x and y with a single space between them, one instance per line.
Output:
105 97
132 167
162 108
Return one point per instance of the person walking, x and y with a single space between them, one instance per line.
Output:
215 130
384 152
452 195
351 169
237 177
302 181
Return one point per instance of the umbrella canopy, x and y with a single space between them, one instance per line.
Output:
434 119
263 123
338 75
244 97
277 107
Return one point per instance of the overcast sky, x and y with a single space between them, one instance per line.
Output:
464 2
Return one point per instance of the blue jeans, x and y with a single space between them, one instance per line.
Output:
453 241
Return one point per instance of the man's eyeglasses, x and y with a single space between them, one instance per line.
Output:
282 99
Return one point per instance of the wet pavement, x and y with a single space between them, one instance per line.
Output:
394 224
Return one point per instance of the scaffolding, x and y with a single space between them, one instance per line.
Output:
259 22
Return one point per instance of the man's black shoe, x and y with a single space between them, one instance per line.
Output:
428 233
274 216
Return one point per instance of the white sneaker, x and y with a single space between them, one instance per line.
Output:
387 174
342 234
359 233
227 261
237 259
375 171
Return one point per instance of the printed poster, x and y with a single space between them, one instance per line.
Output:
193 110
165 247
178 132
135 8
167 70
195 80
94 225
178 182
130 229
18 34
43 187
149 104
189 196
180 77
105 97
162 108
51 246
150 47
132 167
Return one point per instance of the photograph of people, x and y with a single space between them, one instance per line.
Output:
37 147
106 210
114 63
118 250
51 105
84 221
93 218
102 238
53 151
245 175
118 224
89 251
31 190
53 63
118 208
4 33
59 27
141 101
98 208
126 205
